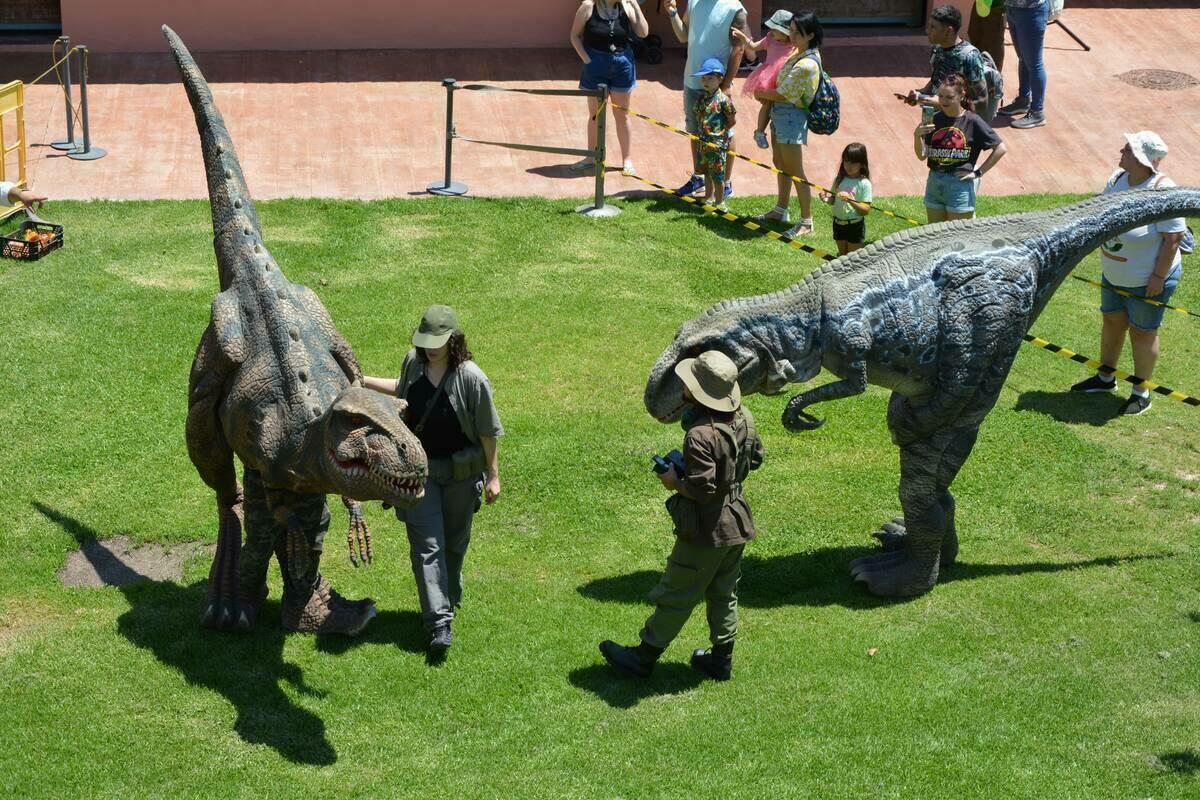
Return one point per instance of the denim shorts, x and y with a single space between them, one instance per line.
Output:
615 70
1142 315
945 191
790 123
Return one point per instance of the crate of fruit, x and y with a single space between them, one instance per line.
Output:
32 240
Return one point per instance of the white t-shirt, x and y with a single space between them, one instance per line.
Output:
5 188
1128 260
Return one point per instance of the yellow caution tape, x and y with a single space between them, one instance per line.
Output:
757 163
1124 293
1107 370
749 224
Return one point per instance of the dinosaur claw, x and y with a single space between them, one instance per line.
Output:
797 420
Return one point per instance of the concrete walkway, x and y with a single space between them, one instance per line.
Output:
368 124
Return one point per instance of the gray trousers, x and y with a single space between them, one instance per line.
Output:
439 530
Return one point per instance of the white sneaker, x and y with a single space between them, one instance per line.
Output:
629 170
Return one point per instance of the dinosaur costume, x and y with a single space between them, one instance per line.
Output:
276 384
936 314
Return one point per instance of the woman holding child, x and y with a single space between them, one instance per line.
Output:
795 87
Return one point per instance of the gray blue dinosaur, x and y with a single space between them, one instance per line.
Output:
935 314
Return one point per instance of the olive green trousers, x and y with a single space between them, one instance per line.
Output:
696 573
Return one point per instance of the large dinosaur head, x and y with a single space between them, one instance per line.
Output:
768 354
368 453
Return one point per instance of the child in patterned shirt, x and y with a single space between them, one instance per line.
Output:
717 116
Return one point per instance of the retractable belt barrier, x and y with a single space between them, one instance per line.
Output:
873 207
1029 338
449 187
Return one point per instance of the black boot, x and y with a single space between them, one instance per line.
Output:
636 661
716 663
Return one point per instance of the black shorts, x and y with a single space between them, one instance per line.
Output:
852 232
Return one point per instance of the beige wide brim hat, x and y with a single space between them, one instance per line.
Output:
712 380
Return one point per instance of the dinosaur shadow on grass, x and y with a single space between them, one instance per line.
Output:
402 629
624 692
245 669
821 578
1183 762
1073 408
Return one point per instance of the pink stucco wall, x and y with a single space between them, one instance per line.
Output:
133 25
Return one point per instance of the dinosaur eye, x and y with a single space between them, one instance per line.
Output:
357 420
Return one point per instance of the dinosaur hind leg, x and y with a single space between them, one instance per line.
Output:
915 547
891 535
221 611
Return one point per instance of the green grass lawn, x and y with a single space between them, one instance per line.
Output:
1059 659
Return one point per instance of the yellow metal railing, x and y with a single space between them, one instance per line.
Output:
12 101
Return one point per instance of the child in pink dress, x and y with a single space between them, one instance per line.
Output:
778 47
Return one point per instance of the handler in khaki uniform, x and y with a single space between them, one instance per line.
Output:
712 522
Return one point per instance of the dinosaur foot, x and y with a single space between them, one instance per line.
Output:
895 574
228 608
893 535
328 612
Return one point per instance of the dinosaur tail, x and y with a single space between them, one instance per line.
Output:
235 222
1077 230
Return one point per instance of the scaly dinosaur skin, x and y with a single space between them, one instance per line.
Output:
936 314
276 384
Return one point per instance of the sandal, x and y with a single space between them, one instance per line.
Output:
776 214
801 228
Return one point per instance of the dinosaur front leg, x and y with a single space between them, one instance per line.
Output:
796 419
358 537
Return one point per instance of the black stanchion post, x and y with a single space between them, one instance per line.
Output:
1071 33
598 208
68 143
87 153
447 186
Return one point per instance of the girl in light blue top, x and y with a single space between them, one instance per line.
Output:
850 198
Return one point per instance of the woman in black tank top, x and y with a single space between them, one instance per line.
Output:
602 35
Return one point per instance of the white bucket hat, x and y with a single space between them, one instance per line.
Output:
712 380
1147 147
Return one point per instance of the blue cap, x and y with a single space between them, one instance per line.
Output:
711 66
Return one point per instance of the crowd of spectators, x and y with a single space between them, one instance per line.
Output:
958 104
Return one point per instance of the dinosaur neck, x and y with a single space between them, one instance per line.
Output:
779 328
235 222
1077 230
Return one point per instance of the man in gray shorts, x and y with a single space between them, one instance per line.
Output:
705 27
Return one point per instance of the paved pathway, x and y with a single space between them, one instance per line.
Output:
368 124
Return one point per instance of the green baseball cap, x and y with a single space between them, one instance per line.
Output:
437 323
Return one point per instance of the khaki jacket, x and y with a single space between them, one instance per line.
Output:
713 512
